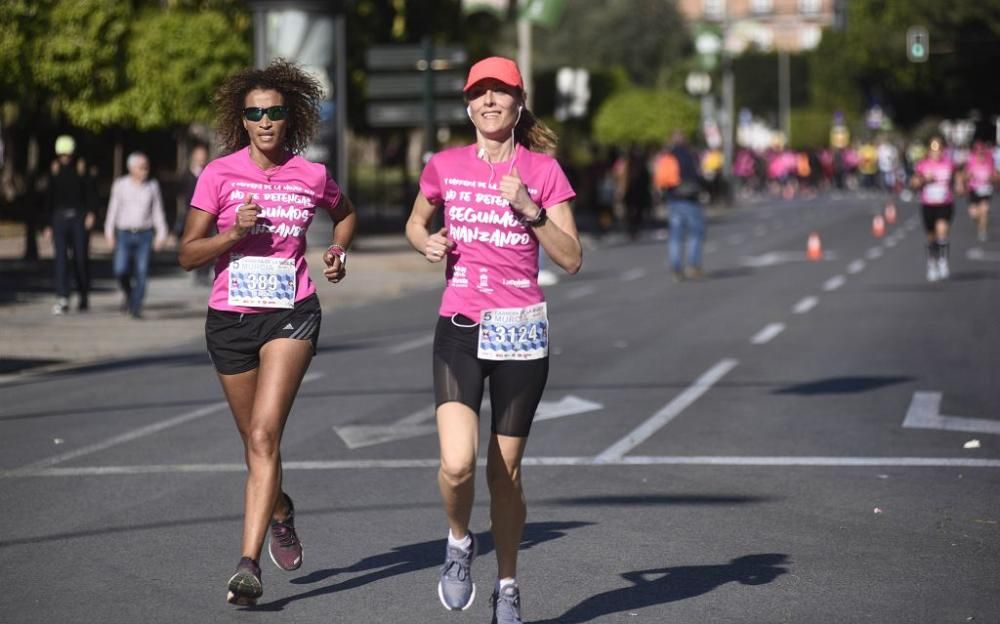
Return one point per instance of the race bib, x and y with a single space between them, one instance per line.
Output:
514 333
936 193
257 282
983 189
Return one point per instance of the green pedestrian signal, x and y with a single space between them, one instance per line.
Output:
918 45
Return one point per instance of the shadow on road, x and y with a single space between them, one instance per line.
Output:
664 585
409 558
843 385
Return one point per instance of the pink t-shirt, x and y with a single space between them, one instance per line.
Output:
937 174
494 263
980 170
288 196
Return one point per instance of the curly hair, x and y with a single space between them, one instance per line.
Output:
302 94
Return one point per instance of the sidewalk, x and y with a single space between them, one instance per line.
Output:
33 340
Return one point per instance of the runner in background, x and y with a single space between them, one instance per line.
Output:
264 316
935 178
979 175
504 199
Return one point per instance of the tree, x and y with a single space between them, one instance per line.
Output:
867 62
644 37
644 116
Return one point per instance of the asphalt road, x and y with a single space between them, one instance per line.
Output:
783 441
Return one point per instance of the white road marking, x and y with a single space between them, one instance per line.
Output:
834 283
977 253
856 267
637 460
129 436
633 274
581 291
925 413
670 411
734 239
873 253
768 333
805 304
409 345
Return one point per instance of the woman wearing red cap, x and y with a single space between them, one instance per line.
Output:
502 197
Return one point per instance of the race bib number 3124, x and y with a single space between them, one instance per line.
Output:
514 333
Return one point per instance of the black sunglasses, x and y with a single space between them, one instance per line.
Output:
256 113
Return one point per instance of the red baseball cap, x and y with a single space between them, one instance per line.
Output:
498 68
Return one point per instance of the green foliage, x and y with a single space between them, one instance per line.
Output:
78 54
18 23
810 127
868 60
644 116
176 60
644 37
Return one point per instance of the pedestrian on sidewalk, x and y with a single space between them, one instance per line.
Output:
263 313
135 225
197 160
71 202
687 220
503 199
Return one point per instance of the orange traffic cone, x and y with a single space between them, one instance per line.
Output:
890 213
814 247
878 226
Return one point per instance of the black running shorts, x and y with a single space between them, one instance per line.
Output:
975 198
933 214
515 386
235 339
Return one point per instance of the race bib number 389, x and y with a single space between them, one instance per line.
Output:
514 333
257 282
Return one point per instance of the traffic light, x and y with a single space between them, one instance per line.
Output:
918 44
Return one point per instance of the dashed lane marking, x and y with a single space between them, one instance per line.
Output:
805 304
834 283
768 333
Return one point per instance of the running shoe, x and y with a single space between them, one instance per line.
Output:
61 306
943 270
284 547
932 271
506 605
455 587
244 586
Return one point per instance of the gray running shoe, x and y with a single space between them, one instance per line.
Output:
284 547
455 588
506 604
244 586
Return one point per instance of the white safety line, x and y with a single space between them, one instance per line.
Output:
670 411
856 267
129 436
873 253
581 291
633 274
834 283
768 333
430 463
805 304
409 345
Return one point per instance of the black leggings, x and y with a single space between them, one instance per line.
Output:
515 386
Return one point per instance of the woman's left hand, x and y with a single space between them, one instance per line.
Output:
513 190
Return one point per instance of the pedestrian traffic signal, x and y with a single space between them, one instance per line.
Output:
918 44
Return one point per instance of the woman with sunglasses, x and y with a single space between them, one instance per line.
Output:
502 197
264 316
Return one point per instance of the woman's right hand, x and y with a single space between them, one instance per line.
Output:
438 246
246 217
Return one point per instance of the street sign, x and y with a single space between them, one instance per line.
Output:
413 84
409 113
393 57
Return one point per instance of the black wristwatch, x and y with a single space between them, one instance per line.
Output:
539 220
